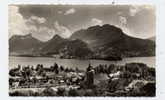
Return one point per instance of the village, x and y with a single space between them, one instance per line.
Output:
132 79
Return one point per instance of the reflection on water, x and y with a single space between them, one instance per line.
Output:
72 63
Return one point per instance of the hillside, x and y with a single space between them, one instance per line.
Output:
153 38
64 48
108 40
105 41
24 44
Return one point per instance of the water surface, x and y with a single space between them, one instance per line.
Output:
73 63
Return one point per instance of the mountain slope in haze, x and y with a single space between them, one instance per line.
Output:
77 49
108 40
65 48
53 45
24 44
98 35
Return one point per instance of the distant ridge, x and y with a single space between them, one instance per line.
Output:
24 44
93 42
153 38
108 39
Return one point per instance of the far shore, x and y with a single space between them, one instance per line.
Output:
73 58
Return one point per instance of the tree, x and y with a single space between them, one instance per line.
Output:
73 92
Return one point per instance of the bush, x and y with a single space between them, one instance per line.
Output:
73 92
48 92
89 92
61 92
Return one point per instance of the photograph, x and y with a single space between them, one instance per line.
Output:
81 50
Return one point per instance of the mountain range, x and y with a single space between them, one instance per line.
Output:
24 44
94 42
153 38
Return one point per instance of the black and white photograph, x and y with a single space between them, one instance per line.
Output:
82 50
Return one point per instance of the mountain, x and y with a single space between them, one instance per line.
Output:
98 35
53 45
153 38
98 42
109 40
65 48
23 44
77 49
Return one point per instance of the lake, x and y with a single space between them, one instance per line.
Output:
73 63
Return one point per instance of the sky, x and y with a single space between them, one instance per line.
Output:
45 21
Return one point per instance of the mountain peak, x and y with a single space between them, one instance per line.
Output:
153 38
56 36
112 28
97 33
26 43
105 26
29 35
21 36
94 27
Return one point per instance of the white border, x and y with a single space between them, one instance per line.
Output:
160 47
87 2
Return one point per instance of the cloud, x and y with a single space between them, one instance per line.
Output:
62 30
17 24
20 26
95 21
122 20
123 25
149 7
44 33
70 11
60 12
119 13
39 20
133 10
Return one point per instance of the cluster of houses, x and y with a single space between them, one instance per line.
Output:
30 77
124 79
130 79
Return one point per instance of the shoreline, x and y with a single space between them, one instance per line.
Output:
75 58
14 61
